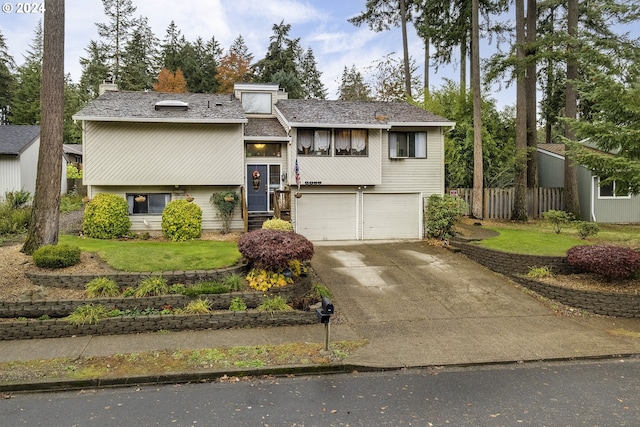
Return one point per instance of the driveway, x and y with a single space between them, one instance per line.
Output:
421 305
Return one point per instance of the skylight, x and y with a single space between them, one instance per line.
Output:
171 104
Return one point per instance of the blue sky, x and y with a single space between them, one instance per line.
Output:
320 24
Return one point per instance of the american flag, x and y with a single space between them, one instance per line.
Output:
297 174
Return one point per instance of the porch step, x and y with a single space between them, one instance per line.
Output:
256 219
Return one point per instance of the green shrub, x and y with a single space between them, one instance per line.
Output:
70 202
557 218
206 288
101 287
181 220
442 213
56 256
14 220
321 291
177 289
586 229
539 272
237 304
225 204
235 282
198 306
274 304
152 286
273 249
17 199
73 172
106 216
277 224
88 314
610 262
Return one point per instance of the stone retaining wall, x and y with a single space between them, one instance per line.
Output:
56 328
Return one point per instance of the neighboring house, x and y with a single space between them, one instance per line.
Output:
359 170
19 147
605 204
71 155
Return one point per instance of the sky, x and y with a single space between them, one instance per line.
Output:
320 24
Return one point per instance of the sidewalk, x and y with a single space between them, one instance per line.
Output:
417 306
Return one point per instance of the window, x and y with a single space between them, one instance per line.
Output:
351 142
147 203
613 190
261 149
256 103
407 144
315 142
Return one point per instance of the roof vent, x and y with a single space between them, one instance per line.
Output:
171 104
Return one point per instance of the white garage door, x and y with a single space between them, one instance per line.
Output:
391 216
326 216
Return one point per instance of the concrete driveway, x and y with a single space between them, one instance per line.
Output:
420 305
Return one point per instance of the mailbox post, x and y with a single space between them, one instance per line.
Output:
324 316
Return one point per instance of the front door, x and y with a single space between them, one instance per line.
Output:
257 188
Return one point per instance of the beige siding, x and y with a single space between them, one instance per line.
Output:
201 196
342 170
163 154
415 175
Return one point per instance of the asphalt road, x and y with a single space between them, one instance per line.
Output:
602 393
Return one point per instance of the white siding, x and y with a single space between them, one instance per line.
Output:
163 154
29 167
9 174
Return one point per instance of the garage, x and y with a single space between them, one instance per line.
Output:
327 216
391 216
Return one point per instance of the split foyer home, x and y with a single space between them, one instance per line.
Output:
339 170
598 203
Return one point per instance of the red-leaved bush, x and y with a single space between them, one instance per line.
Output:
610 262
273 249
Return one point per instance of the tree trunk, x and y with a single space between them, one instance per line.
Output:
572 203
519 212
478 172
427 62
405 48
45 214
463 68
532 102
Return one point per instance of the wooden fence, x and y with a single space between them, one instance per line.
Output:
498 202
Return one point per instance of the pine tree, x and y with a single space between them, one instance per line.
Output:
94 69
25 100
312 86
235 66
199 64
352 86
117 31
140 59
172 45
7 80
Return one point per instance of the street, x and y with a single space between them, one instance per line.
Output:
582 393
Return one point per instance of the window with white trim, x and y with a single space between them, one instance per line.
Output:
613 190
147 203
351 142
314 142
404 145
256 103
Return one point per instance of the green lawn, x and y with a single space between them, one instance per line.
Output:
538 238
137 255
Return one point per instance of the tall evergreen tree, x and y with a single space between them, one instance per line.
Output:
95 69
199 64
235 66
7 80
117 31
25 100
312 86
45 215
352 86
140 58
172 45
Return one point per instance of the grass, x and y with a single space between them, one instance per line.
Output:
181 361
141 256
538 238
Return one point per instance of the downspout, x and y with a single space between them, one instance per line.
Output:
593 201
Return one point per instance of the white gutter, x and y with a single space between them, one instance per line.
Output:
593 201
159 120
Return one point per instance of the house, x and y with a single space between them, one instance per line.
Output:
19 147
598 203
340 170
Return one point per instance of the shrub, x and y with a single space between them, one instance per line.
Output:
263 280
151 286
70 202
237 304
177 289
557 219
273 249
106 216
181 221
225 204
610 262
539 272
17 199
206 288
274 304
442 213
56 256
14 220
321 291
73 172
88 314
586 229
277 224
198 306
102 287
235 282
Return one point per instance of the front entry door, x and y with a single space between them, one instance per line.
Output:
257 188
